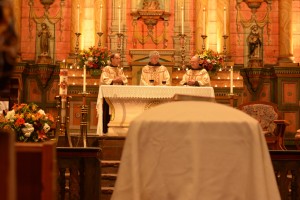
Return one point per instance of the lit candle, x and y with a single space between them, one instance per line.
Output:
231 79
84 78
204 32
101 18
119 19
182 20
225 21
78 18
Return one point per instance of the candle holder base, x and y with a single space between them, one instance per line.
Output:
120 41
203 44
82 140
99 42
182 37
62 120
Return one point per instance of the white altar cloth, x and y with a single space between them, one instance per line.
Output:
129 101
195 150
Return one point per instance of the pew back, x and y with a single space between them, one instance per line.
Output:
36 170
7 165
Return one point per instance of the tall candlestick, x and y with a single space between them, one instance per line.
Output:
231 79
84 78
78 18
225 21
100 18
182 20
204 31
119 19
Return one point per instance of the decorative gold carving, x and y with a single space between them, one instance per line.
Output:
150 5
254 4
150 15
47 3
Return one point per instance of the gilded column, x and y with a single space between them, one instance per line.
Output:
74 23
222 20
100 13
17 13
104 23
88 24
199 5
285 32
134 5
212 25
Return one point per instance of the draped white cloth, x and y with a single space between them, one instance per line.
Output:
145 92
195 150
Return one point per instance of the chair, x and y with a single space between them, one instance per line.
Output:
195 150
266 113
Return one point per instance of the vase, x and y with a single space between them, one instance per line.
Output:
95 72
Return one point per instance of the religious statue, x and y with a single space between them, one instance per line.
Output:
254 42
151 5
44 35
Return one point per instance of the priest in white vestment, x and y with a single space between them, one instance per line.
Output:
154 73
196 76
113 74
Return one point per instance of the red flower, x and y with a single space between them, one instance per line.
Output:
19 122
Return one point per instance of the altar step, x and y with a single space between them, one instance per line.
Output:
112 147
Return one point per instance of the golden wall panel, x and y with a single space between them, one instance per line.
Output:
75 114
265 92
53 91
291 117
93 115
289 95
34 93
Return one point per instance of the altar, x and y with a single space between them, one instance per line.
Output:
127 102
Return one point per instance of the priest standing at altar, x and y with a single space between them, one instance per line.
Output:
197 75
111 75
154 73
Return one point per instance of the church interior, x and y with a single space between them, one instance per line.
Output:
58 49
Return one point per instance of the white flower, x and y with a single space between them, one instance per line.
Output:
41 112
10 115
208 60
27 130
46 127
90 59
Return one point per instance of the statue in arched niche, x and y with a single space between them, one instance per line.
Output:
151 5
254 42
44 35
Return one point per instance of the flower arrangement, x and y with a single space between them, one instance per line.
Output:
30 123
212 61
94 57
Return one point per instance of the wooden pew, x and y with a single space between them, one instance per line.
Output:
286 166
79 173
36 171
7 165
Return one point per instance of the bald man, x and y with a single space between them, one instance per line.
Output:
154 73
197 75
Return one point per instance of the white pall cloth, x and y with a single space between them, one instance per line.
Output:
195 150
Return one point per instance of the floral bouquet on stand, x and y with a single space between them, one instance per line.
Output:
212 61
94 58
30 123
